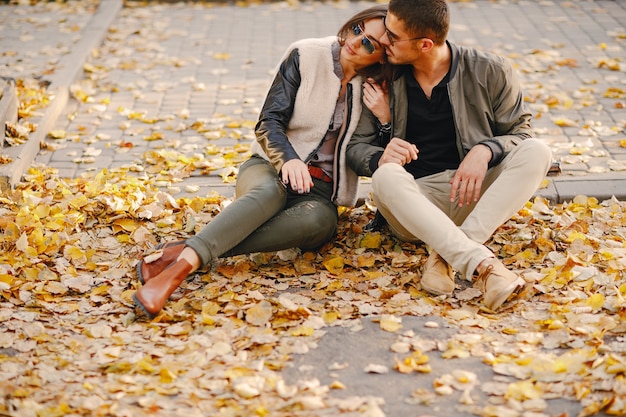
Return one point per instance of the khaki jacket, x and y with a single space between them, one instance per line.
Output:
487 104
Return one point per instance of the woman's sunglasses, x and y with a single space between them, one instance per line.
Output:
365 41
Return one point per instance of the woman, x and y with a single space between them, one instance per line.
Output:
288 191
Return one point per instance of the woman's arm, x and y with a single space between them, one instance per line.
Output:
273 122
276 112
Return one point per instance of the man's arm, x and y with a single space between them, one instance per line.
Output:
512 119
507 125
364 151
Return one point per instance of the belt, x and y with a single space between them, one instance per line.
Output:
317 172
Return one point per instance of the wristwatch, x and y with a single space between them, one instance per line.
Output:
385 128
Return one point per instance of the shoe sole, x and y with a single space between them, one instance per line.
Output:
504 294
435 291
159 246
142 308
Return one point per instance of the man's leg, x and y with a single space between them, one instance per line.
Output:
507 188
410 212
413 216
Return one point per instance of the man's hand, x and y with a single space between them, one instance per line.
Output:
296 173
398 151
468 179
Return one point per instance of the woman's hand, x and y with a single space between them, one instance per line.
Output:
376 99
296 173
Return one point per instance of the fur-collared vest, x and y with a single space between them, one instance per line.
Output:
299 108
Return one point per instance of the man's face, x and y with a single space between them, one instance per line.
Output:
401 47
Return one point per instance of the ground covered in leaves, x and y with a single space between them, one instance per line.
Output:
72 343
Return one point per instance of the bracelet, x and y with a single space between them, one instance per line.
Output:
385 128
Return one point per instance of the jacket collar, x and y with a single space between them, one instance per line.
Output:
454 59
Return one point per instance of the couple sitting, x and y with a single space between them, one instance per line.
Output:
442 130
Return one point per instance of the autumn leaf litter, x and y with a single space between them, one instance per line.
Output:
72 343
71 337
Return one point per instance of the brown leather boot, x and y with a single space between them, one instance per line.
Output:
148 270
151 298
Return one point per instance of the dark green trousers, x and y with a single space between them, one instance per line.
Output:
266 216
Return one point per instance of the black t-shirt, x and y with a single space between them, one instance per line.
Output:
430 126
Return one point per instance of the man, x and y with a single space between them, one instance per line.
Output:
460 161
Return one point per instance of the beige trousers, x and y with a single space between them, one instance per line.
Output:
420 210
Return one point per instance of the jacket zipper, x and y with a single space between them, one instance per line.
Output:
339 144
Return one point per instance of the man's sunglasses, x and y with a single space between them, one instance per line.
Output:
365 41
393 39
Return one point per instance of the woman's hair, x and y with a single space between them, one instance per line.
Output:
382 73
430 18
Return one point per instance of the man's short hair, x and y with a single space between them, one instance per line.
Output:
428 18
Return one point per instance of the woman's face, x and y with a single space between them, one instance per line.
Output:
362 46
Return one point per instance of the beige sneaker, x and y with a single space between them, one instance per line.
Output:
438 276
497 283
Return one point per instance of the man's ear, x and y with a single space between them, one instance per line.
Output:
427 44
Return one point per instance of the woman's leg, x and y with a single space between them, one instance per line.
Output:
260 195
307 222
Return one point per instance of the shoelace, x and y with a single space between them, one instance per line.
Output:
481 281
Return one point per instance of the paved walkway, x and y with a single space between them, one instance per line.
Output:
173 86
189 79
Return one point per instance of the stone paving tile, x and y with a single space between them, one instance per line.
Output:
215 61
35 37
